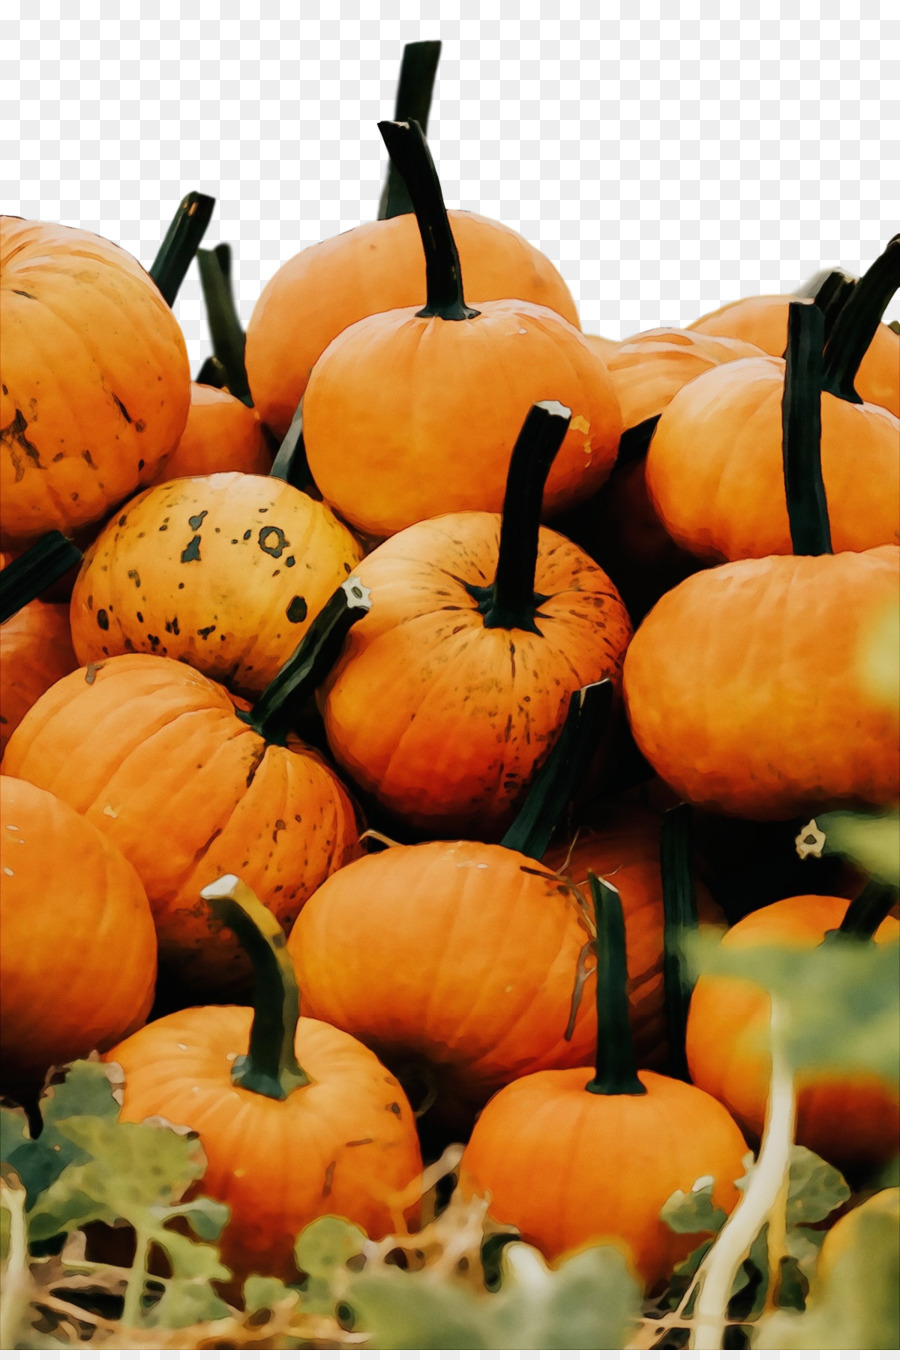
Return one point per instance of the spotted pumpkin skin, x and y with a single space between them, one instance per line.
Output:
95 379
442 719
224 572
744 689
155 754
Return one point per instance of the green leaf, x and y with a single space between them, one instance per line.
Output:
184 1303
816 1189
322 1252
206 1217
690 1211
266 1291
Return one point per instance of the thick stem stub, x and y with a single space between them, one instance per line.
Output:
679 915
180 245
225 329
414 90
34 570
865 913
270 1067
830 290
511 602
801 413
855 327
411 157
615 1067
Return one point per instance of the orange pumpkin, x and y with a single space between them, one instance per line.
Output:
96 383
438 436
284 1143
65 881
573 1158
190 784
850 1119
648 369
35 652
455 686
222 434
225 572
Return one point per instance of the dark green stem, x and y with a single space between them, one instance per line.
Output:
801 413
557 780
272 715
635 442
212 373
180 245
865 913
830 290
414 90
615 1067
411 157
680 916
290 463
511 601
34 570
858 321
225 329
270 1067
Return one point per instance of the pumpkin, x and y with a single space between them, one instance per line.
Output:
64 880
850 1119
35 652
225 572
222 434
456 684
743 729
648 369
843 1236
713 467
96 383
572 1158
284 1143
191 783
437 437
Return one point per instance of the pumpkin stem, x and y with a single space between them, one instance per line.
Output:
180 245
414 90
226 332
801 416
270 1067
830 290
858 321
411 157
558 778
865 913
272 714
680 916
615 1068
34 570
211 373
511 601
290 463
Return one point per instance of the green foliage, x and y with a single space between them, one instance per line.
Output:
871 840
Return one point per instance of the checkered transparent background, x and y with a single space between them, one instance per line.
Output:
668 156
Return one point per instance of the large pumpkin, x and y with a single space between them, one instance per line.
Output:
96 382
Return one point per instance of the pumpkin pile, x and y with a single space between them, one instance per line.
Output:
343 764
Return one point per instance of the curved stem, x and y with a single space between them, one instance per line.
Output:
865 913
270 1067
411 157
511 602
414 90
858 321
290 463
557 780
679 915
212 373
34 570
802 431
830 290
180 245
272 714
615 1069
226 332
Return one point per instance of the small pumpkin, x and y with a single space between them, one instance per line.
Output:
284 1142
222 434
572 1158
65 882
35 652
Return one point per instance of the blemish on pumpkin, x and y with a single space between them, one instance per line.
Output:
329 1176
90 674
140 617
205 632
297 610
109 811
289 561
272 540
140 460
134 575
247 535
154 641
86 455
279 826
172 626
196 520
121 406
103 620
15 430
394 1109
21 293
57 458
359 1142
192 551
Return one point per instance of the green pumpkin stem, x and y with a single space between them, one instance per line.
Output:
830 290
412 160
180 245
802 431
225 329
212 373
865 913
414 90
270 1067
680 916
290 463
557 780
273 714
511 601
34 570
858 321
615 1067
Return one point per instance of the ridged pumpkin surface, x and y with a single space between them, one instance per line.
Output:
77 943
35 652
648 369
96 381
345 1144
222 434
570 1169
224 572
374 268
155 754
744 692
847 1118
